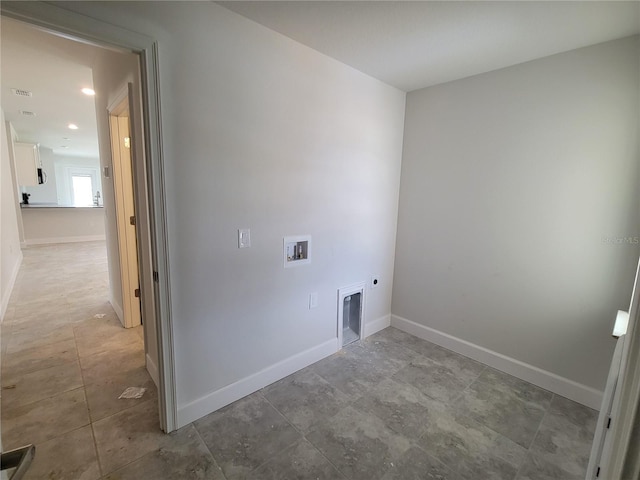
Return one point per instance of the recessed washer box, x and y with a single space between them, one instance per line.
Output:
297 250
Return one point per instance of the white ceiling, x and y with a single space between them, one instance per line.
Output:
416 44
54 69
409 45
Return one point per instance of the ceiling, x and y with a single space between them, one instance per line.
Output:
409 45
416 44
54 69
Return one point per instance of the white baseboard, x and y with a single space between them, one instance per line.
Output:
549 381
117 308
210 403
53 240
376 325
152 368
6 295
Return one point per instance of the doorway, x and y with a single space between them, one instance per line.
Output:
148 172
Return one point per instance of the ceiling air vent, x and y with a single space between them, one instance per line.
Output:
27 113
21 93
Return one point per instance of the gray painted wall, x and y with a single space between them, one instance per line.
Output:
261 132
516 188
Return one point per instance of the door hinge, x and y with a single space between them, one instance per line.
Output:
609 423
136 293
132 219
156 277
127 142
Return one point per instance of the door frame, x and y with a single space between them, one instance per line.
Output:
616 459
124 192
85 29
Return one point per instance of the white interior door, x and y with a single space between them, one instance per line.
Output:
119 122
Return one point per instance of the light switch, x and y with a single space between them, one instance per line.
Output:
244 238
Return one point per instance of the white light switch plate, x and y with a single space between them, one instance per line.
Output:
244 238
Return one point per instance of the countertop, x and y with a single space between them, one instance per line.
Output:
54 205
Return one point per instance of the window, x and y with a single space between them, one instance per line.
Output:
82 190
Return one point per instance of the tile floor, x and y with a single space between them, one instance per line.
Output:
389 407
65 359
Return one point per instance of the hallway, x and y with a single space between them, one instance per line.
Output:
65 361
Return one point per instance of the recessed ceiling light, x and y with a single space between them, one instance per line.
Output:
73 126
88 91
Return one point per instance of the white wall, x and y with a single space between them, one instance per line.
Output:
59 168
112 71
10 253
65 167
109 75
61 225
510 182
263 133
46 192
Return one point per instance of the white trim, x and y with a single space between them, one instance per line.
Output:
117 308
602 425
619 452
549 381
374 326
53 240
248 385
11 284
152 368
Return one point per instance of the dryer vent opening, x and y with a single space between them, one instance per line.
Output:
351 318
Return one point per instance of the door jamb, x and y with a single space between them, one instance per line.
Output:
79 27
114 109
617 460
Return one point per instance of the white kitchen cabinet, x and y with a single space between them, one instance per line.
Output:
27 158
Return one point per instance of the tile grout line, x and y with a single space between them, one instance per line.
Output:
461 393
96 444
208 449
533 439
303 436
86 399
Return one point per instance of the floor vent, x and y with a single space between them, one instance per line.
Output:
21 93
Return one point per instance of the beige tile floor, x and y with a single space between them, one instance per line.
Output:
65 359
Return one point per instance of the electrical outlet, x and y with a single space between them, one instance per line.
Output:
244 238
313 300
375 281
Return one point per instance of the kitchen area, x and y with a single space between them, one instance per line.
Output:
60 196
